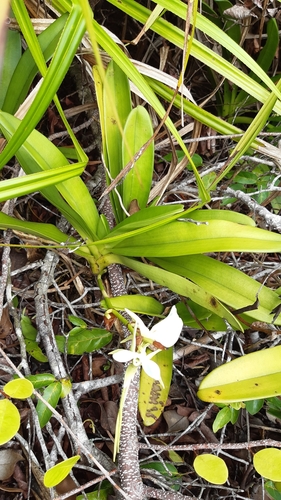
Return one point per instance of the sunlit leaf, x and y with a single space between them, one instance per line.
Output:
152 396
116 108
140 304
65 387
20 388
56 474
137 183
254 376
211 468
9 420
267 463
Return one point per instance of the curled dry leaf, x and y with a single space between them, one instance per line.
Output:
8 460
239 12
6 326
175 422
111 410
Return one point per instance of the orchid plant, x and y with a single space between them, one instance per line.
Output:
162 336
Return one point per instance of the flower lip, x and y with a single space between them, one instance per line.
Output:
139 359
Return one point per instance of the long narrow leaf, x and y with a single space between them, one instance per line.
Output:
36 154
12 188
27 69
179 285
231 286
201 52
69 41
186 238
47 234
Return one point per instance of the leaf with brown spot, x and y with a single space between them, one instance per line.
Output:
152 396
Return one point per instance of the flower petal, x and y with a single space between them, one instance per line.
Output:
140 324
123 355
168 330
151 368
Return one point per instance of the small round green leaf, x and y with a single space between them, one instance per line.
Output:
222 418
58 473
20 388
211 468
9 420
267 463
254 406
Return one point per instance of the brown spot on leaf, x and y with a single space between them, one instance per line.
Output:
213 302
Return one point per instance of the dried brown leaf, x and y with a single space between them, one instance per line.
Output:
8 460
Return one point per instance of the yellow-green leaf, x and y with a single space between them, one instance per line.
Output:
140 304
211 468
253 376
137 183
21 388
9 421
267 463
65 387
152 396
56 474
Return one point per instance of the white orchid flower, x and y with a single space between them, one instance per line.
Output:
166 332
140 359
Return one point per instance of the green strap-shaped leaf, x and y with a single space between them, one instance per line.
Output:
229 285
179 285
37 154
137 183
20 186
12 55
185 238
140 304
253 376
27 69
47 232
116 109
201 52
